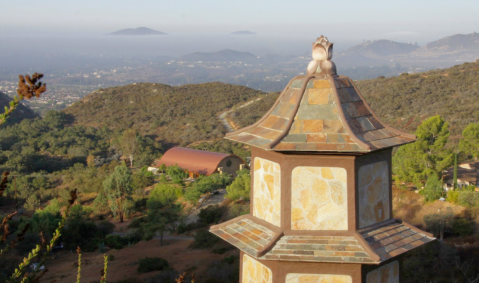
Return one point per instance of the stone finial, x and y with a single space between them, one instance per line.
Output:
322 54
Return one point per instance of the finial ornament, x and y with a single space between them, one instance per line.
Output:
322 54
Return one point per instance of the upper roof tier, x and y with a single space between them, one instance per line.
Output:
321 112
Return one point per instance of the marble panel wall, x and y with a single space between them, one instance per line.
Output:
267 191
255 272
317 278
373 193
319 199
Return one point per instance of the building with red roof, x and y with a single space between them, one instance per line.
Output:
201 162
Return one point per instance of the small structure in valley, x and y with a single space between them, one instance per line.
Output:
467 175
321 188
200 162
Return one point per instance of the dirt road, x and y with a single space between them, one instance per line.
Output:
223 116
212 200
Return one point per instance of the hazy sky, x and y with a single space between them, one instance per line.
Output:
405 20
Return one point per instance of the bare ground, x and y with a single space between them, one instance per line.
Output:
62 268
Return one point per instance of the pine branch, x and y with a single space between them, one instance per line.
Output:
27 88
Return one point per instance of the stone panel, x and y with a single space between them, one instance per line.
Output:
267 191
317 278
319 199
255 272
388 273
373 193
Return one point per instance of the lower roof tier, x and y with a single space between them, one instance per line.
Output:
371 245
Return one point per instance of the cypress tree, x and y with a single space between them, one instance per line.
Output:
455 171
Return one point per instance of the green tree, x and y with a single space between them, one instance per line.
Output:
176 173
142 179
162 211
454 182
163 195
32 203
469 143
433 189
129 143
162 168
427 155
241 186
118 189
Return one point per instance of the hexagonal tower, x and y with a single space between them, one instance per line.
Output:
321 207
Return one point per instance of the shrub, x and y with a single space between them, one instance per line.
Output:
151 264
238 209
203 240
115 242
222 250
469 199
140 204
210 214
452 196
105 228
136 222
462 227
241 186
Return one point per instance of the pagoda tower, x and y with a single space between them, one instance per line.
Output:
321 187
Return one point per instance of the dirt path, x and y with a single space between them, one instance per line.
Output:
223 116
212 200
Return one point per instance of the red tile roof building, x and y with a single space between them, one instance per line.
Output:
321 208
200 162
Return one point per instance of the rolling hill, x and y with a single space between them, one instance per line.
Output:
381 48
175 115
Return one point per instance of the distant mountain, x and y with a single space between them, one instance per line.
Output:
380 48
455 43
137 31
22 112
226 55
243 32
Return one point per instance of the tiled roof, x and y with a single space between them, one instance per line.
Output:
318 113
246 235
394 239
370 246
319 249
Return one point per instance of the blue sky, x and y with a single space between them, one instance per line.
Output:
404 20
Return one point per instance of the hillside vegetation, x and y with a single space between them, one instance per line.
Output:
404 101
178 115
